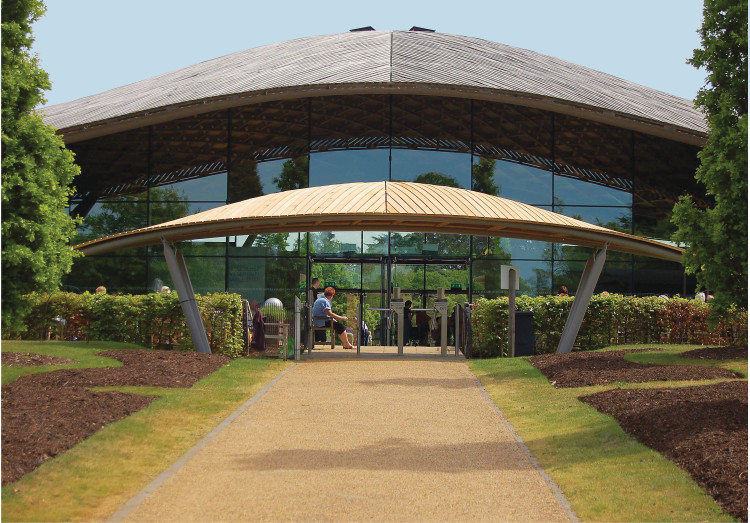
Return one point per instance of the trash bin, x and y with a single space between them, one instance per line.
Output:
524 333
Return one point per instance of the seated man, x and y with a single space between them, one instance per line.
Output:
322 307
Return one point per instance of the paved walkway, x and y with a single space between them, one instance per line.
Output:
360 440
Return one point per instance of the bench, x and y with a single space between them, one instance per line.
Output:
323 329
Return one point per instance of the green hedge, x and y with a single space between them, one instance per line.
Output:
150 320
609 320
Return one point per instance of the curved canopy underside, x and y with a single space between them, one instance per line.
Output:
385 206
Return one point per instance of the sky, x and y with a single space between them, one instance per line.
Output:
90 46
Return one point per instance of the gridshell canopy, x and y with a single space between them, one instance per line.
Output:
380 206
382 62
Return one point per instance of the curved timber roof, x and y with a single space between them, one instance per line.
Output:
366 62
385 206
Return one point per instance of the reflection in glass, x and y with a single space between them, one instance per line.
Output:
112 217
165 211
267 244
337 243
361 165
653 222
536 276
262 278
374 276
375 242
494 247
337 275
433 167
514 181
120 274
656 277
615 218
578 192
210 188
615 277
206 273
408 277
485 280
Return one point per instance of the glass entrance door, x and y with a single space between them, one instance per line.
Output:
370 281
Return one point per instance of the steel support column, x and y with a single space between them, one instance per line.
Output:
181 280
590 276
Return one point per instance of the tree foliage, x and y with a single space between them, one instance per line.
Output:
37 171
716 237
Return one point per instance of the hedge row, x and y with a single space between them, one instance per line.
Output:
609 320
149 320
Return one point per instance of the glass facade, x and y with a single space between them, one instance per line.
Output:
600 174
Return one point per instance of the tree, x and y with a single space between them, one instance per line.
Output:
483 177
37 172
293 174
716 237
434 178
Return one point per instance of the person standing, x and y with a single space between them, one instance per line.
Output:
314 288
321 308
407 322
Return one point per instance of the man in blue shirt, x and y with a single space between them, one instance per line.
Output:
322 308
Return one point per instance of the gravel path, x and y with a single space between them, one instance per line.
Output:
360 440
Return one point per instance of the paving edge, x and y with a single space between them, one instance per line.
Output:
134 502
559 496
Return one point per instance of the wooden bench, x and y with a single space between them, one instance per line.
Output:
323 329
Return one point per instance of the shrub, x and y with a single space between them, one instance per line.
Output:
609 320
151 320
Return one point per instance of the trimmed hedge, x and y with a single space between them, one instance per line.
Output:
609 320
149 320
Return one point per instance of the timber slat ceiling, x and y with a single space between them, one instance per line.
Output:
368 61
380 206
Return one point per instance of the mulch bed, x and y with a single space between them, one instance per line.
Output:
582 369
733 352
703 429
27 359
45 414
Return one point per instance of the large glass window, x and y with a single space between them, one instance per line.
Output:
207 274
510 180
615 218
494 247
434 167
616 277
272 244
117 272
571 191
365 165
336 243
210 188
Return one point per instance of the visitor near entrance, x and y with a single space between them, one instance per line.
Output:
322 307
407 321
314 288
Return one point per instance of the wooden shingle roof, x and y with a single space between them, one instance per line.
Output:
405 62
385 206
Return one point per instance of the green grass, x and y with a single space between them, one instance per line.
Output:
604 473
81 352
94 478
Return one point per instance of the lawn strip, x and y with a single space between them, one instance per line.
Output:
83 353
93 479
605 474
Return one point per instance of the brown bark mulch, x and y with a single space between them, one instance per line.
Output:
703 429
732 352
43 415
582 369
28 359
147 368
